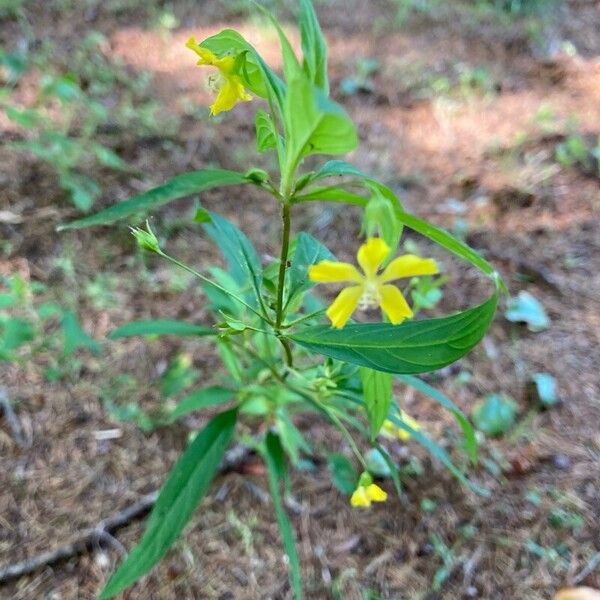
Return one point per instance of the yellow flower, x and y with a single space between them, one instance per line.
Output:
229 87
390 429
367 492
371 289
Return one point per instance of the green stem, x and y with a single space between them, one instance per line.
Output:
283 259
311 315
285 247
215 285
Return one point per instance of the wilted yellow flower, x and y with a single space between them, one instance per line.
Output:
367 492
371 289
390 429
229 87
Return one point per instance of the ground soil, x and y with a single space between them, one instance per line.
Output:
454 159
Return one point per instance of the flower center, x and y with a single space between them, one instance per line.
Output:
370 297
215 82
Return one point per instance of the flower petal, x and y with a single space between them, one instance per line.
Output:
412 423
371 255
329 271
388 429
375 493
344 305
207 57
408 265
229 95
394 304
360 498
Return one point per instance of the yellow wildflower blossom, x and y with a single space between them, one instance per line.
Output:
390 429
371 289
367 492
229 87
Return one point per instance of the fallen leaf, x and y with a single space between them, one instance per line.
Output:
578 593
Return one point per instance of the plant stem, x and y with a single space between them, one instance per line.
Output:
285 247
215 285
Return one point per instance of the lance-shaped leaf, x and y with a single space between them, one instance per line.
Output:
435 450
377 392
266 132
314 47
409 348
277 475
241 256
187 483
180 186
200 399
443 400
160 327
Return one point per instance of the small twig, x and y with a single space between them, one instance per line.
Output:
588 569
102 532
12 420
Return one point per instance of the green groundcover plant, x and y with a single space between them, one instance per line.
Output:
283 352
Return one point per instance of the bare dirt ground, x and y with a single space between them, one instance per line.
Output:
452 157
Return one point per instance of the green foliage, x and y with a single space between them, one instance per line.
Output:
62 126
280 359
277 476
186 485
156 327
414 347
377 391
176 188
495 415
29 326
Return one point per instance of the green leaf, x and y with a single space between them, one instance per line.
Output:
181 186
200 399
276 473
75 337
187 483
291 66
14 333
495 414
436 451
230 360
26 117
331 194
525 308
443 400
109 158
314 124
314 47
377 392
83 190
240 254
160 327
338 168
178 376
409 348
380 217
309 251
448 241
343 473
291 438
266 133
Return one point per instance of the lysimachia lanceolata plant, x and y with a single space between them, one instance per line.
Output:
283 351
